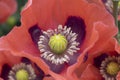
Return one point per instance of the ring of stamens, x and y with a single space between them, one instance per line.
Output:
110 68
22 71
48 54
109 5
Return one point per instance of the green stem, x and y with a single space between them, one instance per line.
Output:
115 15
115 11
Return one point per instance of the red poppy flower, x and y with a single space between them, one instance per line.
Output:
88 26
92 65
7 8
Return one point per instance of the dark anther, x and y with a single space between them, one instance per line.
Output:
35 32
98 60
5 71
78 26
25 60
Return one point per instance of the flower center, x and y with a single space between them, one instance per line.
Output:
22 75
112 68
58 43
22 71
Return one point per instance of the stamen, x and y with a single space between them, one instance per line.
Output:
56 45
110 67
22 72
109 5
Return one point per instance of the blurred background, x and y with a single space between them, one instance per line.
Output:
12 20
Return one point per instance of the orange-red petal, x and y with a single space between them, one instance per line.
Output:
118 76
90 73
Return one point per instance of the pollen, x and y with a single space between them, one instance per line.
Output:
110 68
57 45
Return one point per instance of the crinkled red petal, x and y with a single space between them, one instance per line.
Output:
90 73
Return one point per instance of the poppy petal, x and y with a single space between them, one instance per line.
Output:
118 76
103 36
111 45
93 73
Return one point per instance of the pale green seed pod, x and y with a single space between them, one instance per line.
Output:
58 43
22 75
